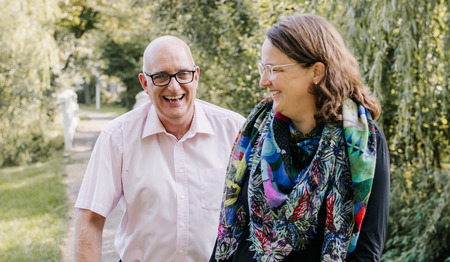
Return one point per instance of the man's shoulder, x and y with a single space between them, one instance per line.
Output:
132 117
212 110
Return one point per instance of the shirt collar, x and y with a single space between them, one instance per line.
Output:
200 123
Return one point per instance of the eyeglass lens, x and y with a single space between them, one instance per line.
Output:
268 69
183 77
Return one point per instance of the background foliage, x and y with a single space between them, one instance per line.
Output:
28 59
402 46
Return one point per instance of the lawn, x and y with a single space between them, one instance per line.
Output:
33 213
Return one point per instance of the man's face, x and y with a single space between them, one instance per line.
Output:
174 102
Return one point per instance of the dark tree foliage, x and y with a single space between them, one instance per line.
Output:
124 60
80 17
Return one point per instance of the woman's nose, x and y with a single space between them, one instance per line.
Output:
264 80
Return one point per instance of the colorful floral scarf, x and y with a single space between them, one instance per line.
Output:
290 176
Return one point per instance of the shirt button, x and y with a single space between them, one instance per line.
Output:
181 224
181 196
180 169
180 251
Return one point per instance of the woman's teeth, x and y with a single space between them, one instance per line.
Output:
274 92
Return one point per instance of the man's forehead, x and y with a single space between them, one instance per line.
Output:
169 62
165 44
168 58
167 52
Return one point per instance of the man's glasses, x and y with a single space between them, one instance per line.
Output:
163 79
269 69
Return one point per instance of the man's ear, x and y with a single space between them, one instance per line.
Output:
143 81
318 69
197 73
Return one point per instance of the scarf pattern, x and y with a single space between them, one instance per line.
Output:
290 176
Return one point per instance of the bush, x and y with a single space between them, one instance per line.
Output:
30 143
419 220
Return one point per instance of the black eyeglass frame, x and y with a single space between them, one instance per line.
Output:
173 76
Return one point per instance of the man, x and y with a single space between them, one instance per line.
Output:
164 163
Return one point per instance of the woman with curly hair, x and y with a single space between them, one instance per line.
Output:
308 177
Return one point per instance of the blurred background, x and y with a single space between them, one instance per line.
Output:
94 49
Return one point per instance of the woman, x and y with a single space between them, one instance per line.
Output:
308 178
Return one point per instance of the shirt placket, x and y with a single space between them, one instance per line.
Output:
182 203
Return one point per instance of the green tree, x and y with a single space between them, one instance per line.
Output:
404 57
123 60
78 40
28 58
128 28
403 48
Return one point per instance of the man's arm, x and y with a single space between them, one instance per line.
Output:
88 235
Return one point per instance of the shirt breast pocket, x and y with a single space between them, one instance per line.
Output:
212 181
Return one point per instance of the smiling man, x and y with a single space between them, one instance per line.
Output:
163 162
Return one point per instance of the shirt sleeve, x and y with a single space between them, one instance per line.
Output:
373 230
101 188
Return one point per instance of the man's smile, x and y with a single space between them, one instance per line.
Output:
173 99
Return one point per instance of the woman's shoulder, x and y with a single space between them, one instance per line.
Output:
383 156
378 132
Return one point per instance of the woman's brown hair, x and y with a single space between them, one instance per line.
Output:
308 39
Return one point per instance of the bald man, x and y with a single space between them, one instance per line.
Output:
163 162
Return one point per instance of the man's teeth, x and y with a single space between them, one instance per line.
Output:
173 97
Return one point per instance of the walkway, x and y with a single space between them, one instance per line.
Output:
76 163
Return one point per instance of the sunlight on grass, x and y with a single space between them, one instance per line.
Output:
36 237
33 218
26 181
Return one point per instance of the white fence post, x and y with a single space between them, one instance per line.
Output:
69 109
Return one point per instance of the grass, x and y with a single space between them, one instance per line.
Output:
111 109
33 213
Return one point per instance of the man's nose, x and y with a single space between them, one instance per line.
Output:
173 85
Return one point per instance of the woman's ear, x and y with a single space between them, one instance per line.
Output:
318 69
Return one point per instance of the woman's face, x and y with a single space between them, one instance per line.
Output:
289 86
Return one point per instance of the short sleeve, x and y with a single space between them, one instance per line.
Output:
101 188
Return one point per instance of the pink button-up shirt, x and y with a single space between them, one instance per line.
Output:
170 190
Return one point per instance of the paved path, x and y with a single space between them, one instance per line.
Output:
76 163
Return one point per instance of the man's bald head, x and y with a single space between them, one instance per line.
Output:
162 45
